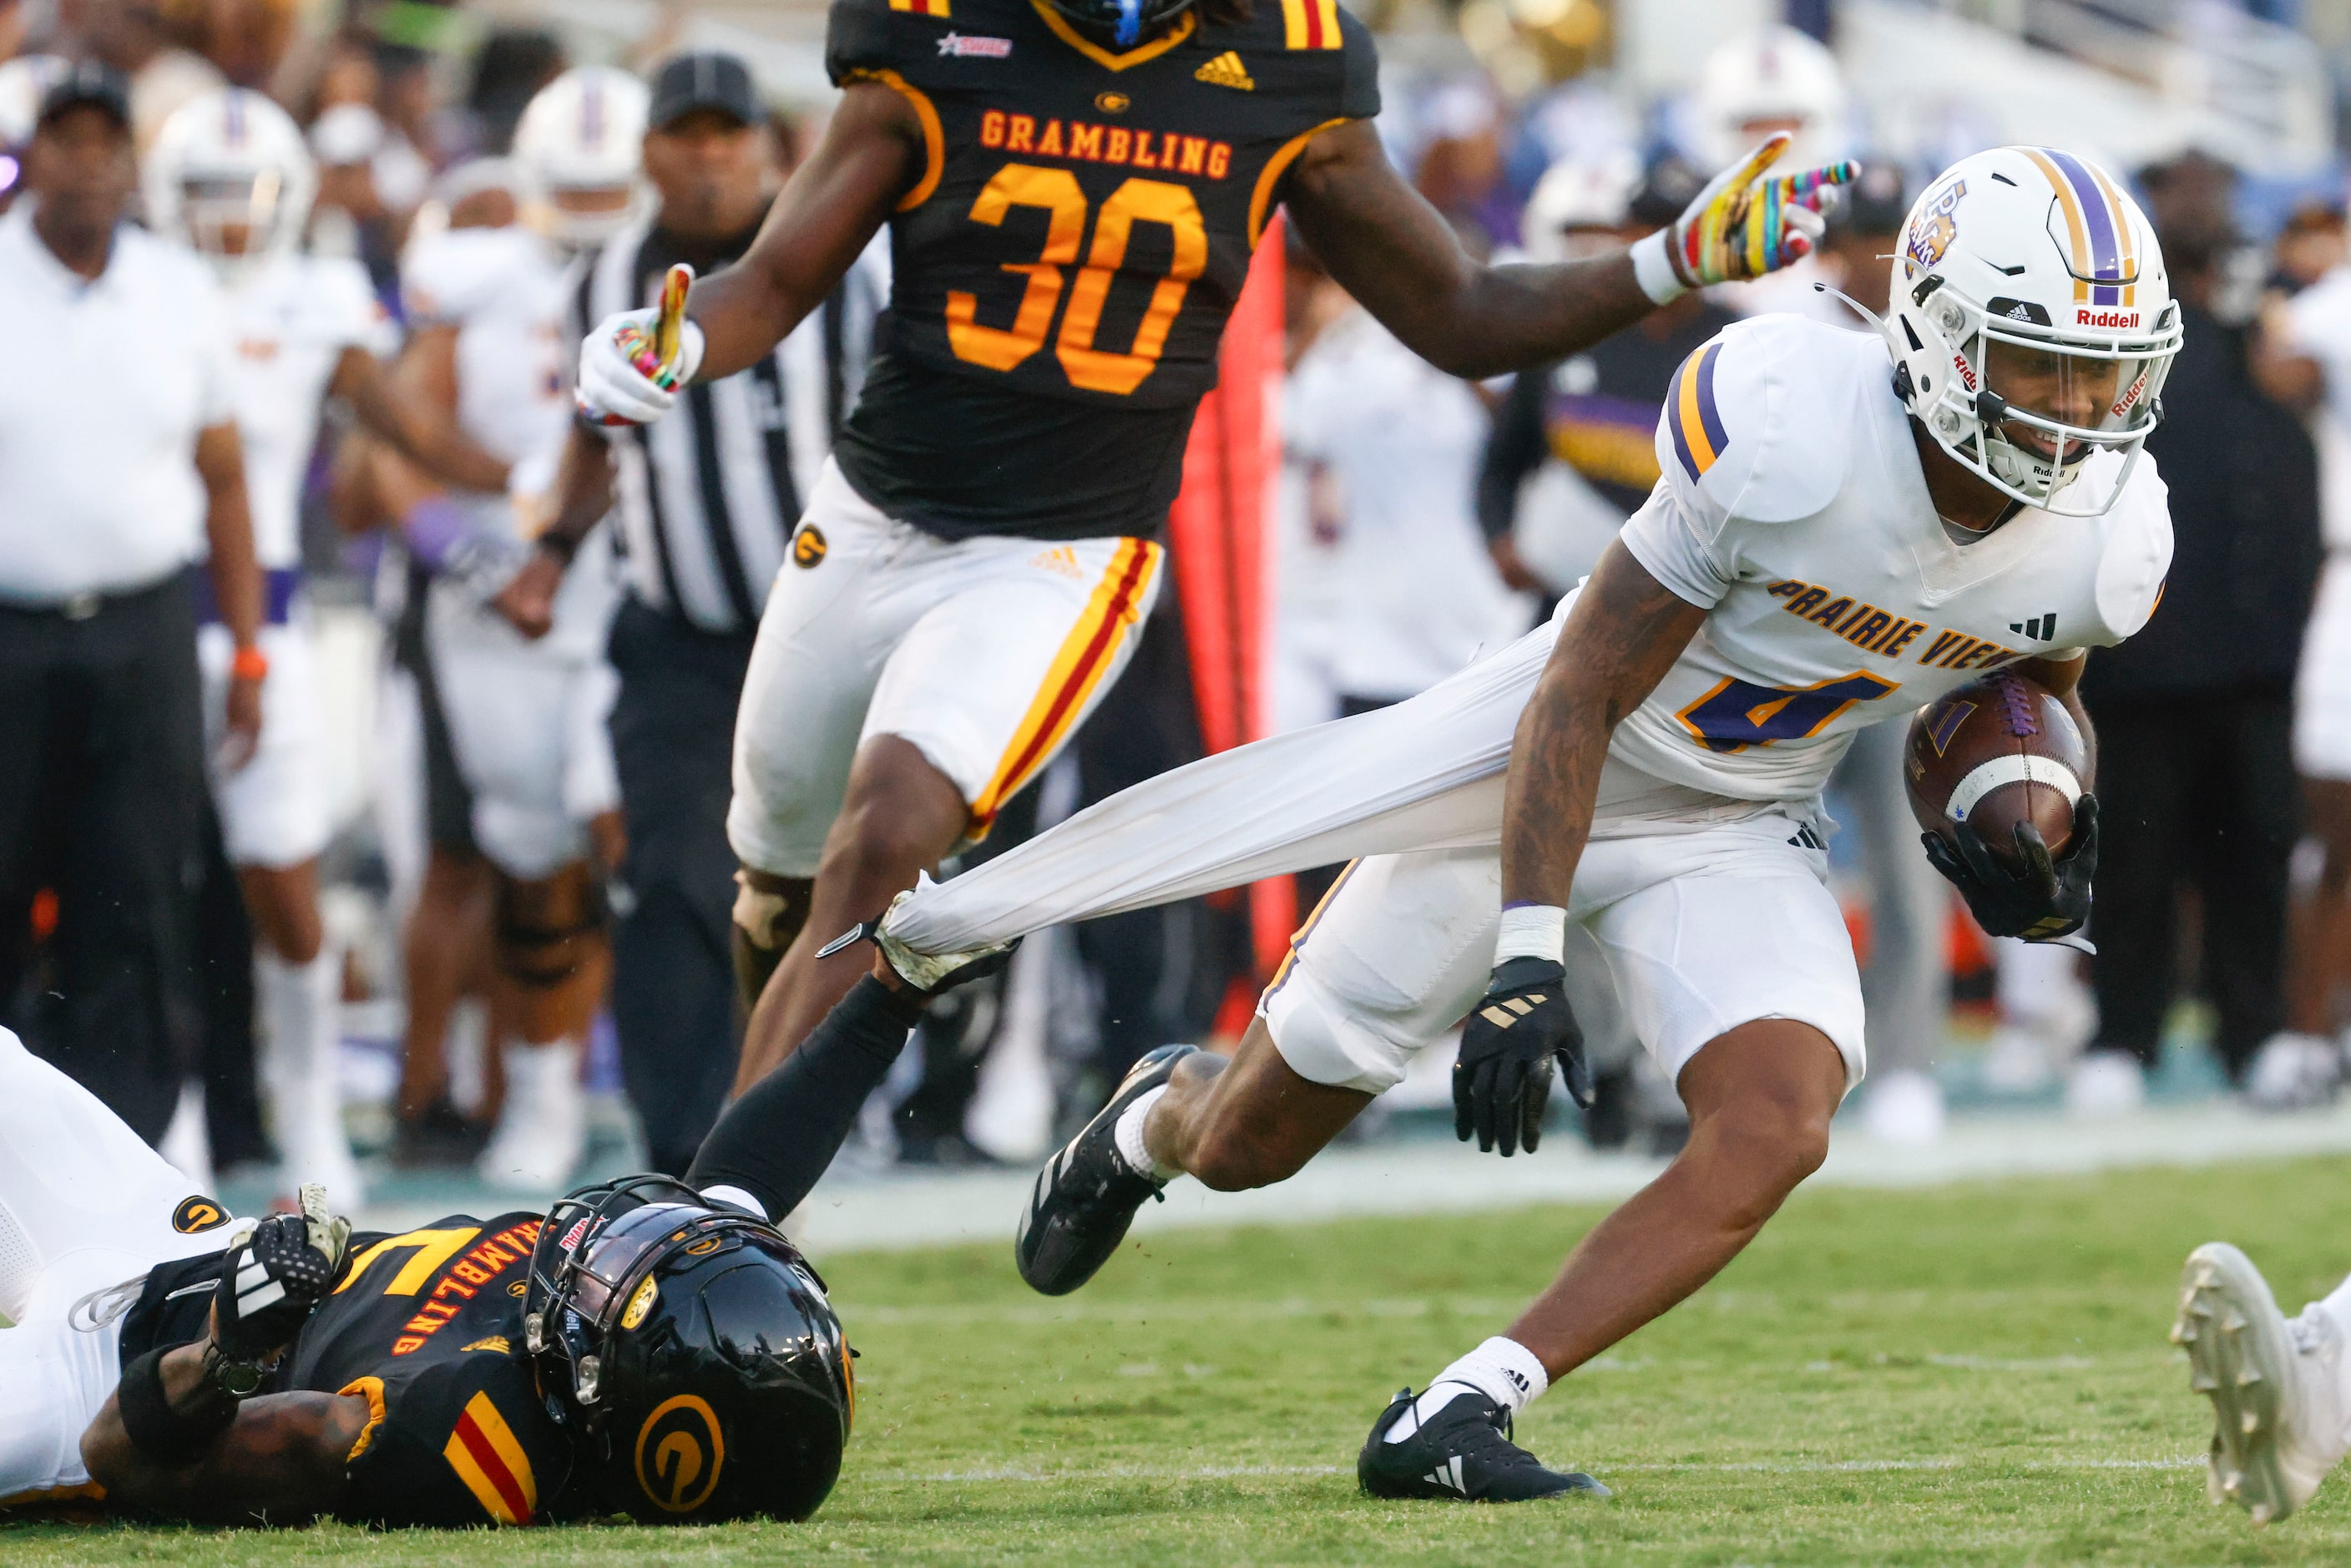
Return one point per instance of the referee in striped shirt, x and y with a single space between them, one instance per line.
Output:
704 504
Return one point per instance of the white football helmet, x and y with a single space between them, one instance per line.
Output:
2032 322
24 82
1774 79
580 140
1588 192
230 167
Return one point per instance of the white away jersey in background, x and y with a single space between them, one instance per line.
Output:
2319 323
1794 508
292 318
505 291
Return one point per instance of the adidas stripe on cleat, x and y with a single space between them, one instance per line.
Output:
1463 1453
1086 1195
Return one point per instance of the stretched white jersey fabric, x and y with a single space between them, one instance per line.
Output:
292 318
1792 507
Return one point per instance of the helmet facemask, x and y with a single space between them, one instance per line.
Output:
2024 406
234 220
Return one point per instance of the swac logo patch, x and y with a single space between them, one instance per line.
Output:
1935 228
808 546
197 1214
680 1453
639 1305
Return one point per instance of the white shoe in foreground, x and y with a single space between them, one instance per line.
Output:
2277 1401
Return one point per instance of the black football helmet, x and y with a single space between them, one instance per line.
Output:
1125 22
691 1353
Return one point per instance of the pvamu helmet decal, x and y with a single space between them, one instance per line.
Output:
230 169
692 1353
2032 323
580 143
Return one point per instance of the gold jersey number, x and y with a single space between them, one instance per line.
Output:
1055 192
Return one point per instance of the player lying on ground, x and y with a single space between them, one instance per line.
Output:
2280 1386
1837 542
649 1347
1073 189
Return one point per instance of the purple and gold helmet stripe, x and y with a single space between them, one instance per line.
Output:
1691 415
2103 261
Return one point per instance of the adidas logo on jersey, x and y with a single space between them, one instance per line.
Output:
496 1343
1225 70
2040 628
1064 561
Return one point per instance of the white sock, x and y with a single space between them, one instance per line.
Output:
1131 1146
298 1008
1503 1370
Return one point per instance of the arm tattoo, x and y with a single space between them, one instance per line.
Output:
1623 636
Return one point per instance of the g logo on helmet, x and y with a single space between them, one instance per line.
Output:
680 1453
1932 231
197 1214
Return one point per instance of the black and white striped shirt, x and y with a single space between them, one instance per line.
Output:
707 497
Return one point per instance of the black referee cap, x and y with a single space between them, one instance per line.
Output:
706 79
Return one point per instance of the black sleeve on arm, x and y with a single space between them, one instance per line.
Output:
776 1140
1513 451
1359 96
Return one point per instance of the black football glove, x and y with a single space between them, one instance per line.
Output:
2041 899
1501 1079
273 1281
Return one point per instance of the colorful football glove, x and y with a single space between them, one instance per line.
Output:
1746 223
633 364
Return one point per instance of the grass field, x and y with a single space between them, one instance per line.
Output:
1974 1375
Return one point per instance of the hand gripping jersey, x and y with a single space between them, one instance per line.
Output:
293 317
1794 508
1064 265
427 1326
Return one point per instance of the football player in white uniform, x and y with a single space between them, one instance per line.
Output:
527 714
1836 541
229 175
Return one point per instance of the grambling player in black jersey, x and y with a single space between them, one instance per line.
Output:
1073 188
651 1347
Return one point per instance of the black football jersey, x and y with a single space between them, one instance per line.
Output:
427 1327
1064 266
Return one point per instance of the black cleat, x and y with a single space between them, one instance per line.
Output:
1462 1454
1086 1195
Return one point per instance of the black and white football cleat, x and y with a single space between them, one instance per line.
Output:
1461 1453
1086 1195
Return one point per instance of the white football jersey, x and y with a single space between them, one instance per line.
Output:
505 291
1794 507
292 317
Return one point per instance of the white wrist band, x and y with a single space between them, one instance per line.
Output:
1653 268
1532 931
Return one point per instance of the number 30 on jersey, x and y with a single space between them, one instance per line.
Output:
1056 192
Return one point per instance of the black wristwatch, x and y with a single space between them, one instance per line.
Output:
236 1379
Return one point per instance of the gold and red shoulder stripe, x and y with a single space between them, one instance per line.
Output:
921 7
1310 24
487 1459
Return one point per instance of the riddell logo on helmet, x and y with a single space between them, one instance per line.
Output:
1967 376
2126 320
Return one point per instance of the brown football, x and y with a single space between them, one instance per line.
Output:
1994 753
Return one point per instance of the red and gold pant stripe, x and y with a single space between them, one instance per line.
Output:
1086 655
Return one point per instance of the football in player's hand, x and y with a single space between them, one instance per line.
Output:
1997 752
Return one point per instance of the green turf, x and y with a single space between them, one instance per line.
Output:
1973 1374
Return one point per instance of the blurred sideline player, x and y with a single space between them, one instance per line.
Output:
229 175
1831 547
2306 364
973 565
1771 80
527 714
